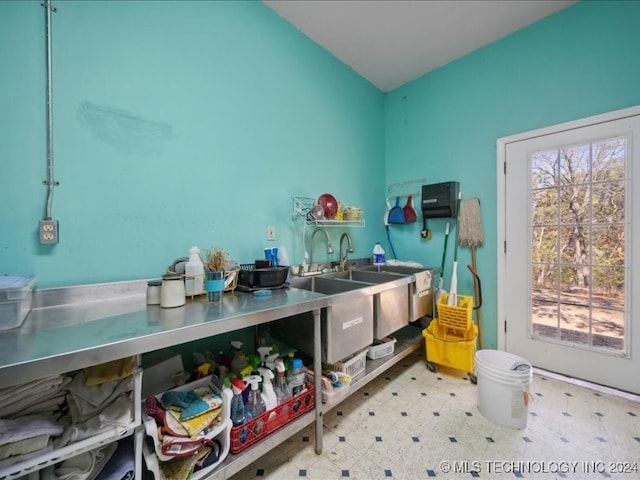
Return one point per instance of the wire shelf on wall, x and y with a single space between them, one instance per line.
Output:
303 205
406 188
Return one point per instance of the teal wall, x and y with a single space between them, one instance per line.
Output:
176 123
194 123
579 62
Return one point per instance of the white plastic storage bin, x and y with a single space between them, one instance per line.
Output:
381 348
222 435
353 365
152 449
16 292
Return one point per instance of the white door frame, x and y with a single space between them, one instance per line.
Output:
501 148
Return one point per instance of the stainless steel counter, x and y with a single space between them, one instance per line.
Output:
75 327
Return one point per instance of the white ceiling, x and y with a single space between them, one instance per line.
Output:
391 42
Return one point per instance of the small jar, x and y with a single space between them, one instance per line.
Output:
172 291
153 292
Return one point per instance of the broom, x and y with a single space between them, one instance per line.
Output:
470 235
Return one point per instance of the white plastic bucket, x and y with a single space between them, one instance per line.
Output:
503 387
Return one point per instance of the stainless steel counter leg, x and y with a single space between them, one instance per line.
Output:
317 369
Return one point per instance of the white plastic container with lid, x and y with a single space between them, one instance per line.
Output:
16 292
194 273
172 293
153 292
378 254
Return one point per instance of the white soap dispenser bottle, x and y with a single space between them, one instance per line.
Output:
194 273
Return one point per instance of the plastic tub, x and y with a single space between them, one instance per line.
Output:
503 387
381 348
16 292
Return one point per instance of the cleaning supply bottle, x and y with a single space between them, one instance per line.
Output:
296 376
378 254
194 273
280 386
239 360
264 352
268 394
255 403
238 412
288 360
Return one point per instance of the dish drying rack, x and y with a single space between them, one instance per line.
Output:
303 205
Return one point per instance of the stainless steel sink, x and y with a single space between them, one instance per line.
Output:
363 276
391 309
346 326
327 285
422 286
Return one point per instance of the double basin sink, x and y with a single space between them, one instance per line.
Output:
367 303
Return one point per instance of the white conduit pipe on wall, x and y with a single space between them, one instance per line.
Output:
49 182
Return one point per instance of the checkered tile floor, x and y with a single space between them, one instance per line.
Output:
413 424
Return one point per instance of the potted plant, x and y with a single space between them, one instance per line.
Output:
216 260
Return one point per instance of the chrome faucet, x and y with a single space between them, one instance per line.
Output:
329 247
345 258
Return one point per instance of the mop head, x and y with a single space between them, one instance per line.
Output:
470 225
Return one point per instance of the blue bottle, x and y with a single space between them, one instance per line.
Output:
238 412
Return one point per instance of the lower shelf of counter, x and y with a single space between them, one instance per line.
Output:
234 463
409 339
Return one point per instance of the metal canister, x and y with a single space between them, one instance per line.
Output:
172 291
153 292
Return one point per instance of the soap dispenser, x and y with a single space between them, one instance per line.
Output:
268 393
255 403
194 273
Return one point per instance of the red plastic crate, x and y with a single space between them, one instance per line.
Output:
250 432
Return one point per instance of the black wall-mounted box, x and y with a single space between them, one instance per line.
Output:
440 200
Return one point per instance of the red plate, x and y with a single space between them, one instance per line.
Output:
329 204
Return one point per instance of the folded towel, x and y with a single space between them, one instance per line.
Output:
167 423
85 402
423 280
16 399
110 371
191 403
47 407
21 447
119 415
21 428
86 466
196 425
97 395
30 388
181 468
7 462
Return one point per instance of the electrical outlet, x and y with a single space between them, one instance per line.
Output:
271 232
48 232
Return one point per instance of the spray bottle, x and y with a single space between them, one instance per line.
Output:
238 412
268 394
239 360
264 353
255 403
280 387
